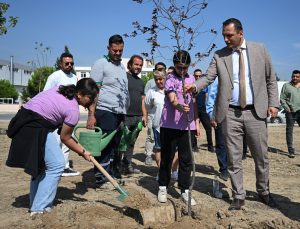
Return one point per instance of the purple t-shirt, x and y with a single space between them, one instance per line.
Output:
171 117
54 107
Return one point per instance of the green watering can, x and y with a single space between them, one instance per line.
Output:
94 141
129 137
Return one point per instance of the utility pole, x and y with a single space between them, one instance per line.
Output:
12 70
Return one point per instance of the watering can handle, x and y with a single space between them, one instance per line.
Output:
82 126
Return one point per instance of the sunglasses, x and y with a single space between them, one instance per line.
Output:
69 63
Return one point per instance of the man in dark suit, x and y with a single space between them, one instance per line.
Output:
247 94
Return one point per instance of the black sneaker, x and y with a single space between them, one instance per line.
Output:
210 148
127 170
70 172
224 175
291 155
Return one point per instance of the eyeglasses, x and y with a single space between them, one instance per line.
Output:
69 63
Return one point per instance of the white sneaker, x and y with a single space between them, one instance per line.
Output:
174 176
162 194
185 198
35 213
68 172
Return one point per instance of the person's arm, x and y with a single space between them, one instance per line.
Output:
67 139
272 87
91 120
144 111
173 100
97 75
196 117
210 102
284 99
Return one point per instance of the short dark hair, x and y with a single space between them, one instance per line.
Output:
197 70
237 24
64 55
296 72
182 57
115 39
130 62
159 63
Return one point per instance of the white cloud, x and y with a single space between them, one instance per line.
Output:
296 45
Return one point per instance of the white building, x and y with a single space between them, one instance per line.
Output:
83 72
20 75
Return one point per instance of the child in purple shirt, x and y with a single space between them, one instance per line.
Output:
177 119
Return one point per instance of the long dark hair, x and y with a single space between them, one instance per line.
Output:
85 86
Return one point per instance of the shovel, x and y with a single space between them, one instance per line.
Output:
123 194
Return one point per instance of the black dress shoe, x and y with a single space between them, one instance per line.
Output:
268 200
236 204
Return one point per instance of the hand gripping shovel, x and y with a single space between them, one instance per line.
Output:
123 194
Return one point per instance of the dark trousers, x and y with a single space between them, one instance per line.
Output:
171 139
131 122
291 118
204 119
221 151
108 122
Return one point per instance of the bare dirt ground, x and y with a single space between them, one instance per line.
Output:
78 205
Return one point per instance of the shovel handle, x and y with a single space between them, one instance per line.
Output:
103 171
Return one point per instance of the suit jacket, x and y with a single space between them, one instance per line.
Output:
264 84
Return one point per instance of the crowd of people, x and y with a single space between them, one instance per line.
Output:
233 98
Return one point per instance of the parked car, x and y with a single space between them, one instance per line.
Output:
280 117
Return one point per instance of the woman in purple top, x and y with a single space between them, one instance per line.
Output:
34 146
177 118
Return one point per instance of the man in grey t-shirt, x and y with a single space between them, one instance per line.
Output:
112 104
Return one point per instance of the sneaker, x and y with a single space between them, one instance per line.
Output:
210 148
185 198
148 160
162 194
196 149
224 175
35 213
128 170
291 155
104 186
70 172
174 176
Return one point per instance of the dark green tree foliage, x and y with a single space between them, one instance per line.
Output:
7 90
57 63
37 82
6 22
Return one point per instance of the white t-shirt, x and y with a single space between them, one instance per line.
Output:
154 102
58 78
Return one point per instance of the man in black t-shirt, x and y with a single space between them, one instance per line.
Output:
136 112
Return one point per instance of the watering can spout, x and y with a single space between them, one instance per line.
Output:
106 138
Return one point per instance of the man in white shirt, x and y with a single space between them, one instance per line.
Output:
64 76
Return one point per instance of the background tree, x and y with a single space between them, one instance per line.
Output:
37 82
147 77
4 23
7 90
180 21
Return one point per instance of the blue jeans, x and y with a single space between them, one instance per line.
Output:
156 139
43 187
291 118
221 151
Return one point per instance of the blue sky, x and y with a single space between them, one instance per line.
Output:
85 26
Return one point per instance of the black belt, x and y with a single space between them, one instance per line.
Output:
248 107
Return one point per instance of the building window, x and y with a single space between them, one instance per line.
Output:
83 74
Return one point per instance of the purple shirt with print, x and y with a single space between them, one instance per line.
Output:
171 117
